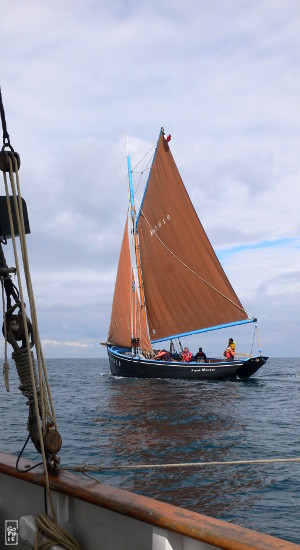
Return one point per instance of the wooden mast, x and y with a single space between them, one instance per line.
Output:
136 241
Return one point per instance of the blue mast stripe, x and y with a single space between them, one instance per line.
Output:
130 185
140 210
216 327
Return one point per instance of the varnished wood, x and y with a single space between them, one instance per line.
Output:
166 516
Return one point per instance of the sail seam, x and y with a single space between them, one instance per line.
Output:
191 270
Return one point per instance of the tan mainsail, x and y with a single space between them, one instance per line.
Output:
127 320
185 286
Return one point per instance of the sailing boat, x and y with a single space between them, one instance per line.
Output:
169 284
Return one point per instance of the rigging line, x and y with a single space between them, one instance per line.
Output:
253 340
15 185
21 231
95 467
144 156
192 271
141 175
145 169
6 365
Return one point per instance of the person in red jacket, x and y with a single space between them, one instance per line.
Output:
186 355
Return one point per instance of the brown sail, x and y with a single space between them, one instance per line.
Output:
127 320
185 287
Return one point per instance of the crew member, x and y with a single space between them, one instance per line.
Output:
186 355
200 355
229 352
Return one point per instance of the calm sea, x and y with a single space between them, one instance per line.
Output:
114 421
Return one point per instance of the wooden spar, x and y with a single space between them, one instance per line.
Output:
136 242
166 516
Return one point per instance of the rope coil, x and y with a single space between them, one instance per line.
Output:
23 368
54 533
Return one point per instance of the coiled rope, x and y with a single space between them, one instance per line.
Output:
98 468
54 533
21 360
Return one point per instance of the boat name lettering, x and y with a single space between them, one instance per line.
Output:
203 369
159 224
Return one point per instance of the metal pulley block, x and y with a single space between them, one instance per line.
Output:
5 157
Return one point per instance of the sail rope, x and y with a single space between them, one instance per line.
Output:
36 400
55 534
151 149
147 167
39 400
258 340
192 271
38 393
6 365
118 467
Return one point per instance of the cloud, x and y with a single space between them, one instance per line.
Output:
55 343
224 81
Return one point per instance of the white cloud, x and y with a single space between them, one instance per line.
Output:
56 343
221 77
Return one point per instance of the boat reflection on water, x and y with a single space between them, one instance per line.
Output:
158 422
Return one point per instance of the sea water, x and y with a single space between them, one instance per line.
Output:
114 422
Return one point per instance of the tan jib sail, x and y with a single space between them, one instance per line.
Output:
185 287
127 318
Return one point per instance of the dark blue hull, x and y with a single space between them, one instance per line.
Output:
123 364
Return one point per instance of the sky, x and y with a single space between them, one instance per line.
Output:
223 78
